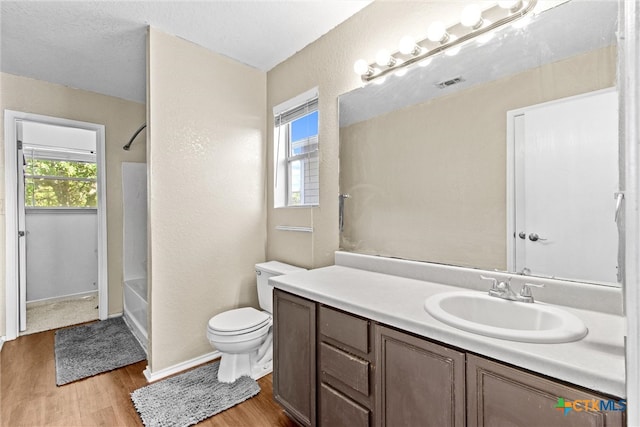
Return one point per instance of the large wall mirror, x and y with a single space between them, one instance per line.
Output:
502 157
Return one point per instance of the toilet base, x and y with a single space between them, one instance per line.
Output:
255 364
234 366
260 371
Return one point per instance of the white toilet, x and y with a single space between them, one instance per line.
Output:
244 335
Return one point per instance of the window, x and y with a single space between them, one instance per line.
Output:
53 183
296 179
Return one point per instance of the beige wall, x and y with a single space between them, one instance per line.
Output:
424 188
120 118
206 192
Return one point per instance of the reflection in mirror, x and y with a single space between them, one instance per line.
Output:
425 162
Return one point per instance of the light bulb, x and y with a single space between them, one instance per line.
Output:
361 67
384 59
408 46
471 16
511 5
452 51
437 32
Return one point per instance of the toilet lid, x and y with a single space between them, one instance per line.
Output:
239 320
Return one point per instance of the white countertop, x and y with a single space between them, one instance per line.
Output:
596 362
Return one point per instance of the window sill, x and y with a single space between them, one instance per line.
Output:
296 206
60 210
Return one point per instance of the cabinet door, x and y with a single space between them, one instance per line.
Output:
337 410
418 383
294 356
499 395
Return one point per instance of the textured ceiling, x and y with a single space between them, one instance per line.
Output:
100 45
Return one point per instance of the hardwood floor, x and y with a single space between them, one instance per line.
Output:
29 395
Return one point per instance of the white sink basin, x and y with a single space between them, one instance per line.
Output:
510 320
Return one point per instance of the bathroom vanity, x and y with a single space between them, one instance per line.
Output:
355 347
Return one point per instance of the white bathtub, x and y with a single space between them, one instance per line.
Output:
135 308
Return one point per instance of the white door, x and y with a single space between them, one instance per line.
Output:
566 175
22 238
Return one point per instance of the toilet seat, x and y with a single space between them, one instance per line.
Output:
239 338
238 322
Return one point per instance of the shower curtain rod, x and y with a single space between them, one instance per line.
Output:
127 146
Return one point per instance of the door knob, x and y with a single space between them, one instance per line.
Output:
534 237
522 235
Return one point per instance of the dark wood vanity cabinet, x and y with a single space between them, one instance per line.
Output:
345 369
499 395
333 368
294 356
419 383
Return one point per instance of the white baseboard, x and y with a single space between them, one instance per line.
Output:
111 316
62 298
2 340
171 370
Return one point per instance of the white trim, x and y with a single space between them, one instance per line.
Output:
11 225
63 298
294 228
295 101
114 315
629 70
2 340
103 266
183 366
511 176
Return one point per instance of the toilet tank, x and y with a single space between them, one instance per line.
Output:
268 269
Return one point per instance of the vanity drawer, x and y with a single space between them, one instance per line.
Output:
348 330
338 410
348 369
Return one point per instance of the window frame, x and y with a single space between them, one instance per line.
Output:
283 159
28 176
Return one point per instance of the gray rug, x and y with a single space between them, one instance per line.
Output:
189 398
87 350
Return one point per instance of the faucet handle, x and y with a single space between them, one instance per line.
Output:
525 294
493 279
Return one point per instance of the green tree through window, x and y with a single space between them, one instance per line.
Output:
54 183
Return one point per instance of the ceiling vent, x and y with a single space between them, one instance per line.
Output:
449 82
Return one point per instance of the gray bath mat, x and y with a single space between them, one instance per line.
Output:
87 350
189 398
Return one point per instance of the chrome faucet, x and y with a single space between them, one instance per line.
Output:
525 294
501 289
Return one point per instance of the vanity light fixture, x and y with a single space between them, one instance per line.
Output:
408 46
384 59
472 16
511 5
437 32
475 23
362 68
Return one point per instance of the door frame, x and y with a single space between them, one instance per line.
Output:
512 158
11 217
629 82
